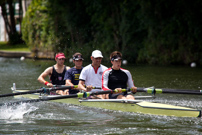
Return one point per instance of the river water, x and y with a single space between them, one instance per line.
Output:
57 118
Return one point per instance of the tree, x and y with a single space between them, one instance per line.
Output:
8 13
155 32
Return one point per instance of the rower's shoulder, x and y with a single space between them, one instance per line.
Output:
87 67
104 67
125 70
49 69
68 67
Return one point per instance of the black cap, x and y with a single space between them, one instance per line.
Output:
78 57
116 57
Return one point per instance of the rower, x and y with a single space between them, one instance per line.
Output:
72 75
56 73
91 75
117 78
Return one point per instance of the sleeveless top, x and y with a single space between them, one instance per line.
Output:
58 78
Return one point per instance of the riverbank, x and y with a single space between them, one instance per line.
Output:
22 50
15 54
31 55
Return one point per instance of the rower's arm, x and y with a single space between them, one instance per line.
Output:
81 85
105 80
69 83
43 75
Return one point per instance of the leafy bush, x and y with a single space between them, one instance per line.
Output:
155 32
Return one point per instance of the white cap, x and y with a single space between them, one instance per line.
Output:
97 54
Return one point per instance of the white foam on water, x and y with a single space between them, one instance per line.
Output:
16 112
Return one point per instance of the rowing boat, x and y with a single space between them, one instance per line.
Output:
137 106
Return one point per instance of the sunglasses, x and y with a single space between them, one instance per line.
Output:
61 59
79 60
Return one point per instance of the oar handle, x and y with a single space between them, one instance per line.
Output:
59 85
123 90
97 88
76 86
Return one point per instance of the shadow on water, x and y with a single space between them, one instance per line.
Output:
57 118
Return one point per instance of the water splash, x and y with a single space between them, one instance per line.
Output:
16 112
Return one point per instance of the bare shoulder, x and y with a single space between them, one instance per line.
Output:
67 67
49 70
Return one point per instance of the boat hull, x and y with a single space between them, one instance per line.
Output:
136 106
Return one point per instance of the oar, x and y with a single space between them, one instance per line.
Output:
79 95
42 90
153 90
76 87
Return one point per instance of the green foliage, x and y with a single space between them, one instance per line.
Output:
173 32
4 46
155 32
37 28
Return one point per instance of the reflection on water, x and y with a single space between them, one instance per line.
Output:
57 118
180 77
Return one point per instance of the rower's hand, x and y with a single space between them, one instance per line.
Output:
133 90
66 92
50 85
89 88
118 90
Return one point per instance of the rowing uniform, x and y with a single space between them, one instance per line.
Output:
112 79
92 77
58 78
73 75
